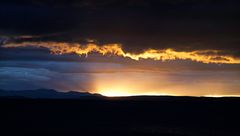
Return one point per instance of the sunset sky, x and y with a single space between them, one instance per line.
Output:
121 47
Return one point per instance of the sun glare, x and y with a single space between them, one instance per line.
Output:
119 93
219 96
111 93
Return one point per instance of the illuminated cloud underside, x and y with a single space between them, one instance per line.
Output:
204 56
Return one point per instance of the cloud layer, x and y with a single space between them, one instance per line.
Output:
205 56
185 25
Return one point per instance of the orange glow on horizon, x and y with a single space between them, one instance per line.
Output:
117 93
162 84
219 96
204 56
120 93
125 89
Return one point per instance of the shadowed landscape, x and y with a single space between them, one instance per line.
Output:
119 116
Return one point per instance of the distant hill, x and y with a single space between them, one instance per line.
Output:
54 94
47 94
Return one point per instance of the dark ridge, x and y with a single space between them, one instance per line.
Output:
47 94
54 94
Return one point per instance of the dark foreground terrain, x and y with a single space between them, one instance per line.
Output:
141 116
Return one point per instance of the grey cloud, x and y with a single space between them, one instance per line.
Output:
20 75
17 78
65 67
27 74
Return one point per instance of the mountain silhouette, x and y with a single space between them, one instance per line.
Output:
47 94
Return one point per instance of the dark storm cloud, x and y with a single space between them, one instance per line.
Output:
137 24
